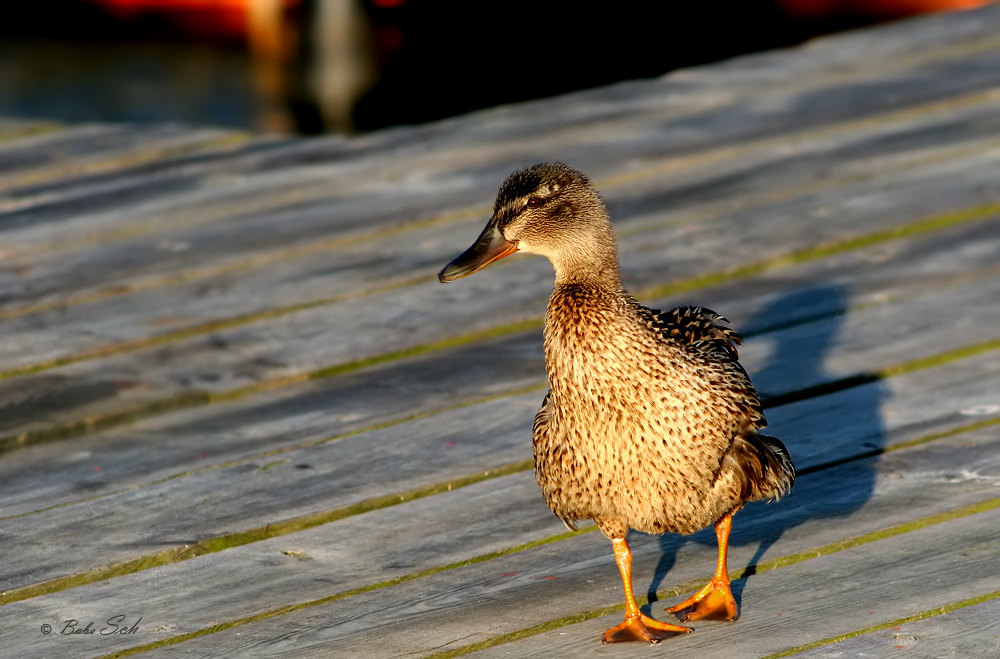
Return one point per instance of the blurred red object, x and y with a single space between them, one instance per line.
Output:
209 19
874 8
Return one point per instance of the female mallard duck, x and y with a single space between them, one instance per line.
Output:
650 422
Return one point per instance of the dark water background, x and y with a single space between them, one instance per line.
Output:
416 60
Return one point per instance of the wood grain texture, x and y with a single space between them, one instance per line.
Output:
233 393
140 263
297 343
467 604
323 408
251 493
828 595
334 558
175 259
972 631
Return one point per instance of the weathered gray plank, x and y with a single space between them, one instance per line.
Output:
431 184
401 319
99 463
261 350
468 604
82 149
92 183
797 110
487 517
432 450
381 260
801 355
928 400
972 631
859 277
29 150
830 595
101 389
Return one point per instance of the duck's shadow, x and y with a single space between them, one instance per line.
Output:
803 325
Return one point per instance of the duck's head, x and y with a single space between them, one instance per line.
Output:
548 209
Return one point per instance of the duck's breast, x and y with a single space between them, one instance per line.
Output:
635 427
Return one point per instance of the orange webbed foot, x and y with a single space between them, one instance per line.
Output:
713 602
642 628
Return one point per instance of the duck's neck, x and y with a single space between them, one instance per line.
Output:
596 265
588 291
604 278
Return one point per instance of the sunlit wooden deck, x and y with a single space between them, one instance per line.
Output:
241 412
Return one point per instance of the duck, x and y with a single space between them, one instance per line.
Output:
650 422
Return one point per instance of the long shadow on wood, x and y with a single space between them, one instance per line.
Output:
817 311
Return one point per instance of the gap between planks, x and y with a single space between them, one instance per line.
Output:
941 221
679 589
939 359
174 580
655 170
31 128
120 416
988 601
226 541
784 561
936 51
527 378
174 146
923 615
195 398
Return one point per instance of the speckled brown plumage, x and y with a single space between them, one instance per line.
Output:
650 422
642 429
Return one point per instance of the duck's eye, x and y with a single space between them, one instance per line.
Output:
535 202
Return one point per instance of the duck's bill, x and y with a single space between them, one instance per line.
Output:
489 247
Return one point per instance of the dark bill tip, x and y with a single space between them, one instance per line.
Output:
489 247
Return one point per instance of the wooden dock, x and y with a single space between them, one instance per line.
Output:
241 413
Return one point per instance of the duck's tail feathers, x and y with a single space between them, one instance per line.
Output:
766 468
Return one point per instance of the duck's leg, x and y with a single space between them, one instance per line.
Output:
715 601
636 627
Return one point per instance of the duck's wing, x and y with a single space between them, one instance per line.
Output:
760 462
700 328
707 334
